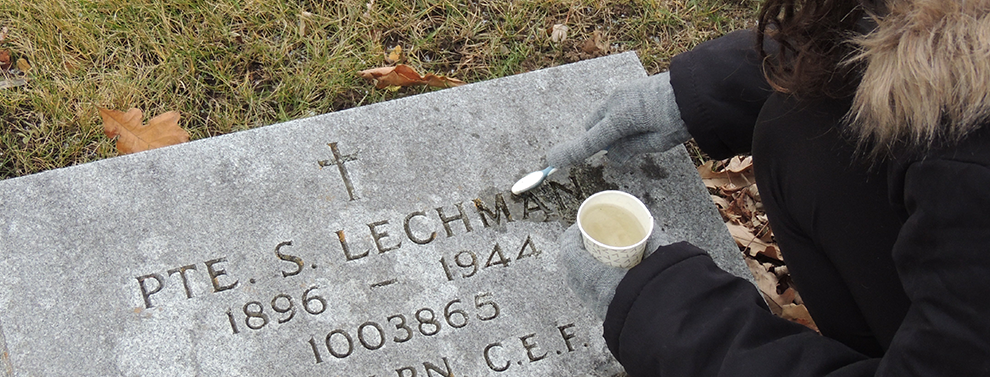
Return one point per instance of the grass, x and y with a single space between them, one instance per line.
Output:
230 65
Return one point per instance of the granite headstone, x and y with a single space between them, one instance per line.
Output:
377 241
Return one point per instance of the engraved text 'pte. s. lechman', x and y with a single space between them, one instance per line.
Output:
416 228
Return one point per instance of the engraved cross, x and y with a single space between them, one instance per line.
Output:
339 160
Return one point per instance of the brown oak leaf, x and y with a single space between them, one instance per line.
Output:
594 46
4 60
730 179
404 75
132 136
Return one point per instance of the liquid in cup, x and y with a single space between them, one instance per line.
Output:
615 226
612 225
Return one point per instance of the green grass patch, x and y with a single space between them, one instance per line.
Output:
230 65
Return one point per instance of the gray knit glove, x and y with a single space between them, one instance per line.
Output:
592 281
640 117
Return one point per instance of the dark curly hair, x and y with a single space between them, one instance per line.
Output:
813 37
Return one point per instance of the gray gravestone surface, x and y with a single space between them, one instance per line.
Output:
376 241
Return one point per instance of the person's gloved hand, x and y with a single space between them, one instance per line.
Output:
592 281
639 117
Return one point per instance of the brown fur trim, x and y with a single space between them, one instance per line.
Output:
927 75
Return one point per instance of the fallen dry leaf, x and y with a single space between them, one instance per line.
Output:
594 45
4 60
732 188
744 237
404 75
725 179
767 282
742 205
558 33
739 164
720 201
771 251
754 192
798 313
162 130
394 55
23 65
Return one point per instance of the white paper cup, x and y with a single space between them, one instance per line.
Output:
615 226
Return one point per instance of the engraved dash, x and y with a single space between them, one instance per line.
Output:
384 283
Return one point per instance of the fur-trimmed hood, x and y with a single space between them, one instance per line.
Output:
926 76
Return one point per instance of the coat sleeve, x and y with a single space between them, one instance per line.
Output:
720 88
678 314
942 256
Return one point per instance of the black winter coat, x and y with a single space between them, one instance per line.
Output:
892 259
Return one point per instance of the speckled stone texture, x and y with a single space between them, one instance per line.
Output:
376 241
